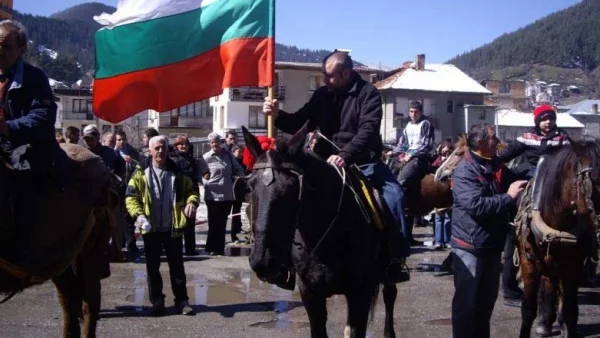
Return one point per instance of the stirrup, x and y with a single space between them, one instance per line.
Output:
397 271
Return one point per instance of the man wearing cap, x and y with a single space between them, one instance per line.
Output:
535 143
91 136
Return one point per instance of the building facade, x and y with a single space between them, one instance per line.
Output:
507 94
6 9
451 99
295 82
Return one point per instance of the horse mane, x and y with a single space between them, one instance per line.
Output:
557 160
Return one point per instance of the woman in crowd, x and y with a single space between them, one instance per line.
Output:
184 158
218 192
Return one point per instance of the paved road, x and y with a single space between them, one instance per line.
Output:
231 302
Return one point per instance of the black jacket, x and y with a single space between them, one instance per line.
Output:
187 163
350 119
481 210
532 145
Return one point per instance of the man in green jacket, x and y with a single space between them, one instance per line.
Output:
160 198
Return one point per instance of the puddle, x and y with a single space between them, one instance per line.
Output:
445 321
281 324
243 288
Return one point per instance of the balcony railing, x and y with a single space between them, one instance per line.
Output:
254 93
77 115
185 121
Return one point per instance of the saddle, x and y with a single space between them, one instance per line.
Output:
64 224
371 203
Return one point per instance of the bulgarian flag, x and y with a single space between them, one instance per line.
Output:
164 54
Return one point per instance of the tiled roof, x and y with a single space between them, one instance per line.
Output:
514 118
583 107
435 77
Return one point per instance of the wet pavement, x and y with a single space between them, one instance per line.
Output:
231 302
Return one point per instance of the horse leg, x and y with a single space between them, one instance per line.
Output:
69 296
316 309
91 301
389 298
570 306
358 304
548 302
531 284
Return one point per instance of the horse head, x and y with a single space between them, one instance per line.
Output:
571 188
276 185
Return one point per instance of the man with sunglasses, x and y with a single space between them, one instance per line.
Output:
348 111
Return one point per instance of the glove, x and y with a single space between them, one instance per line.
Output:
142 223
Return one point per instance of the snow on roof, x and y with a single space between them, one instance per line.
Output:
435 78
513 118
554 85
583 107
573 87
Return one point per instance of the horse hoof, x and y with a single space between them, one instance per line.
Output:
543 331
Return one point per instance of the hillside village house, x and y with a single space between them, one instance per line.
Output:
586 112
75 109
511 123
451 99
507 94
294 84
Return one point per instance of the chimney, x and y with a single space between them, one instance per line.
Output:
595 108
420 63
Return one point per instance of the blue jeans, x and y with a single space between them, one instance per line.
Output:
476 284
382 179
442 227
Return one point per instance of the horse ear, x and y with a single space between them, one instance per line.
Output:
252 143
297 141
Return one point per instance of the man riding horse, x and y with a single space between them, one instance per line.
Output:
347 111
27 117
414 150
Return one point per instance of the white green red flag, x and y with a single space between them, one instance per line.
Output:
164 54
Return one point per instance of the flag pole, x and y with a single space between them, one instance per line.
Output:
271 89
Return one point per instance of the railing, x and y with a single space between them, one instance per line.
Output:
254 93
185 121
77 115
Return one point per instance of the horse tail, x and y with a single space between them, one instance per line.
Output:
374 298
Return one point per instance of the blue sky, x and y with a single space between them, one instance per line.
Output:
384 31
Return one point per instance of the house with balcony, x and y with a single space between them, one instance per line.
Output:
295 82
451 99
507 94
192 120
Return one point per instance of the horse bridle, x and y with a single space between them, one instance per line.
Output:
268 178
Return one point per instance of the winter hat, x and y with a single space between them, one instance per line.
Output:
91 131
543 111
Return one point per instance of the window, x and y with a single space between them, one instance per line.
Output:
82 106
450 107
315 81
256 117
504 88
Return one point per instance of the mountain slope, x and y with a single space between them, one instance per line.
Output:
569 38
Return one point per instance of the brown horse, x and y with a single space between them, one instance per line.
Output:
67 238
553 245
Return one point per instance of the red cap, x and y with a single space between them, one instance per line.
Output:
543 110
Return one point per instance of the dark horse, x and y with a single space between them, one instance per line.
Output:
307 222
553 248
68 239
